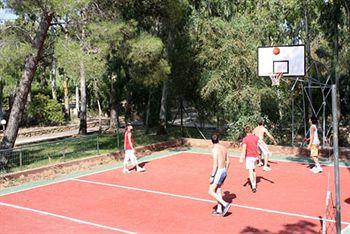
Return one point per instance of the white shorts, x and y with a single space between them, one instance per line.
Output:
250 162
130 156
129 153
263 148
220 176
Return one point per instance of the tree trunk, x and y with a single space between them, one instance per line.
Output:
99 115
53 80
114 120
30 66
162 112
1 99
11 99
77 100
148 111
99 106
83 103
66 97
128 104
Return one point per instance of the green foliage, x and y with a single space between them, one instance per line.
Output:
146 59
69 54
37 7
206 49
45 111
12 53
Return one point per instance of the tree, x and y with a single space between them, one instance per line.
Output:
45 13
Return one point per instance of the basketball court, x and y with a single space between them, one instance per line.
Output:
171 196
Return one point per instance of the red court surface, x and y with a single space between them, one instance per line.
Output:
171 197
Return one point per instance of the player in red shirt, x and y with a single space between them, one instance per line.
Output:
250 153
129 150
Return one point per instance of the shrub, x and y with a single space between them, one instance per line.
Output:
45 111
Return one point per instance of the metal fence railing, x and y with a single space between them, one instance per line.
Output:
36 155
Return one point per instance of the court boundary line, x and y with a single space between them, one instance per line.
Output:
80 221
193 151
118 166
346 230
206 200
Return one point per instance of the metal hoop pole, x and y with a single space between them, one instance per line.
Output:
336 157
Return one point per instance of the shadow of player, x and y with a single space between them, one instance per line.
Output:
258 180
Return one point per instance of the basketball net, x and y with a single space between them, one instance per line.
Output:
276 78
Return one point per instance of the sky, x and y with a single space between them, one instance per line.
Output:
6 14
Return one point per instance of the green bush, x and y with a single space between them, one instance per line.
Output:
45 111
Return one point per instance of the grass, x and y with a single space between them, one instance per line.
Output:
37 155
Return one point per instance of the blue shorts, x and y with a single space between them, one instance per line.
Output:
220 176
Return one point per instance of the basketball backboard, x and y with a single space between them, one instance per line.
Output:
289 60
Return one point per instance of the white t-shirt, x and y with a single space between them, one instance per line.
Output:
316 140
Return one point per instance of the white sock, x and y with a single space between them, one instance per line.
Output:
219 208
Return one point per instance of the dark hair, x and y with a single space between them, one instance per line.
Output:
248 129
313 119
261 121
215 138
127 126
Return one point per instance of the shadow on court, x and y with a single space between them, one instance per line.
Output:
347 200
258 180
299 227
142 164
229 196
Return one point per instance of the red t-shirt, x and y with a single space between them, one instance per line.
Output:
252 145
127 146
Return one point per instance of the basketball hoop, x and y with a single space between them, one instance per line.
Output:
276 78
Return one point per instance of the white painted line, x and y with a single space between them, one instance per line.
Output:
346 230
66 218
272 159
88 174
205 200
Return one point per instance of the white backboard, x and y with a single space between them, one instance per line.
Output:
290 60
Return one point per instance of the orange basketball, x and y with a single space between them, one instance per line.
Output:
276 50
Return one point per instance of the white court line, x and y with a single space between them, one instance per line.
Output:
65 218
346 230
272 159
206 200
87 174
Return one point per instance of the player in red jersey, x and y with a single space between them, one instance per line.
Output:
130 150
251 154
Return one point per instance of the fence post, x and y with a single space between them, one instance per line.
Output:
20 160
98 146
64 150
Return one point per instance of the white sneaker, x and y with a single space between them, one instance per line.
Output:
267 168
140 169
126 171
313 169
317 170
